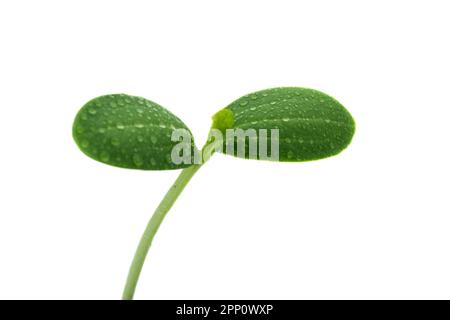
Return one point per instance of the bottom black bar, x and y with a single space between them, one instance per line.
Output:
231 309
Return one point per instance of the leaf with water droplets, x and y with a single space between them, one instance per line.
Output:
311 125
127 131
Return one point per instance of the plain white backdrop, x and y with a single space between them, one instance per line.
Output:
372 222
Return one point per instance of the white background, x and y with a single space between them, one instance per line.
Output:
373 222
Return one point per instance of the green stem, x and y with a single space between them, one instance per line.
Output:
152 227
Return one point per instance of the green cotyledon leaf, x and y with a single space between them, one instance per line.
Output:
311 125
128 132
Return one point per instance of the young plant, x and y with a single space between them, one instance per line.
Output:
132 132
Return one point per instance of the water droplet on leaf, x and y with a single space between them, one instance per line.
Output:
115 141
137 159
104 156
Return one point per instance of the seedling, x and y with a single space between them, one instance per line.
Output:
131 132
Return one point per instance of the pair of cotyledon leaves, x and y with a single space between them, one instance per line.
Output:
132 132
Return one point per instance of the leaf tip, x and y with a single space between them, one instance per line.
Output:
222 120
